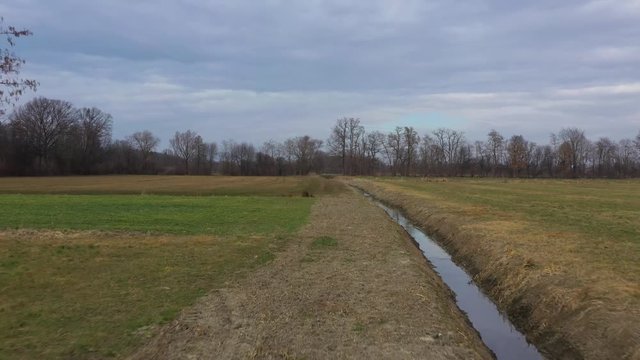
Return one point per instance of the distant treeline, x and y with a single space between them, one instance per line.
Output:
52 137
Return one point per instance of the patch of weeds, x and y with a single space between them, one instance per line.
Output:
358 328
265 257
324 242
308 259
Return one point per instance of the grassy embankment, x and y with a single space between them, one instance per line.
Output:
563 256
85 276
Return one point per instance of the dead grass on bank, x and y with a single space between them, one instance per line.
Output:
573 302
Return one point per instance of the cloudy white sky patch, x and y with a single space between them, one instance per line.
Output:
253 70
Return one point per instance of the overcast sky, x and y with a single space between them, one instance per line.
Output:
254 70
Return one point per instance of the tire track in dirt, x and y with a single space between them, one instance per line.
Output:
370 296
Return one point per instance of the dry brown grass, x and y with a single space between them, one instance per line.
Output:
173 185
571 288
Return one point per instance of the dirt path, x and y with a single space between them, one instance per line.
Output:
370 296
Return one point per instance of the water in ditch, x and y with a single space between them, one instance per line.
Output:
494 328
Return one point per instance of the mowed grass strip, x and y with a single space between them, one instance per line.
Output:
87 294
154 213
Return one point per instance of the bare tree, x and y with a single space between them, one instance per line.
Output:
495 148
184 145
145 142
517 149
574 149
93 130
40 125
411 141
305 150
605 155
374 145
450 142
11 86
237 158
397 149
344 141
626 156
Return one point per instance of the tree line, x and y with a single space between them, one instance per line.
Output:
447 152
52 137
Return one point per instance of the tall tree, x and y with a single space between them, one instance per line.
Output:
605 156
450 142
305 150
93 131
344 141
40 125
184 145
375 142
145 143
11 85
495 146
574 149
395 147
411 141
517 149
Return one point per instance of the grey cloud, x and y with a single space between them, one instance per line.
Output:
256 70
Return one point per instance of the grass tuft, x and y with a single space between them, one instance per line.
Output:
324 242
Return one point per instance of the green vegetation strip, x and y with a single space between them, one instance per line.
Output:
154 213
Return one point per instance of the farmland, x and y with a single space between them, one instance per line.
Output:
92 275
549 251
172 267
176 266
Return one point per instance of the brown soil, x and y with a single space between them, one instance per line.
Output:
370 296
567 314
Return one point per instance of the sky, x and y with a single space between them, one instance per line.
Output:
258 70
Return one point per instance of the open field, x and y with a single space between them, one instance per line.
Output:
171 185
91 276
562 256
265 273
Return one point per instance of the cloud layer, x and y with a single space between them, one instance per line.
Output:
257 70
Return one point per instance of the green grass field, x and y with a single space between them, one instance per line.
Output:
91 276
162 214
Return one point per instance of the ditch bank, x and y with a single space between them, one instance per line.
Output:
555 314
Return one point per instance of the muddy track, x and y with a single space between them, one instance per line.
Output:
370 296
542 305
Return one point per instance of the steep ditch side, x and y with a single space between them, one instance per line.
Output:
554 312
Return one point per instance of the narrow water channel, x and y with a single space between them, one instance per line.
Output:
495 329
